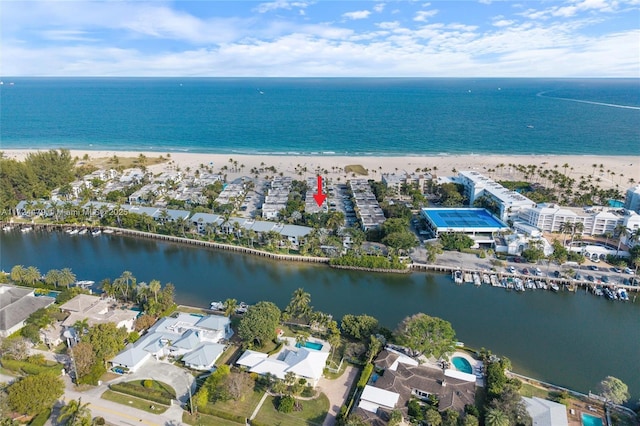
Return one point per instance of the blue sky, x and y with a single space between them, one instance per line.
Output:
482 38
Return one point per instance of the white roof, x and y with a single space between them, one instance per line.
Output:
546 413
307 362
205 355
460 375
378 397
273 366
250 358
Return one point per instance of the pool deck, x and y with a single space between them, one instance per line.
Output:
290 343
476 365
577 408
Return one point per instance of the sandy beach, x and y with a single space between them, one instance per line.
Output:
617 170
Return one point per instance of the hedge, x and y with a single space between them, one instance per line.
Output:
29 368
223 414
364 377
135 390
41 418
258 423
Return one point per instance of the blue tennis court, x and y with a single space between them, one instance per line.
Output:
463 218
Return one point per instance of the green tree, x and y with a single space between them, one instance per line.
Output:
470 420
106 339
75 413
359 327
426 335
455 241
299 306
154 287
35 393
495 417
259 323
432 417
18 273
66 277
230 306
614 390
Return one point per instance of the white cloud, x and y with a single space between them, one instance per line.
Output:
359 14
502 23
67 35
389 25
424 15
379 7
280 4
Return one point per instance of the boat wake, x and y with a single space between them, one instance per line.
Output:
542 95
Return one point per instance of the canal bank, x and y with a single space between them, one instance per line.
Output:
570 339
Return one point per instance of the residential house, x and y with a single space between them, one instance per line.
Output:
546 413
96 310
16 305
400 378
194 338
303 362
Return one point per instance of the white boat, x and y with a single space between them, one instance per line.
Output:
27 229
82 231
108 231
7 228
73 231
476 279
622 294
486 279
217 306
519 286
84 283
554 287
242 308
96 232
457 277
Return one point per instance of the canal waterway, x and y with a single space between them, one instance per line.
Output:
569 339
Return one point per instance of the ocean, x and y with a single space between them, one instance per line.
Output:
333 116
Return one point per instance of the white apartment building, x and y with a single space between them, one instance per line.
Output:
632 200
509 202
595 220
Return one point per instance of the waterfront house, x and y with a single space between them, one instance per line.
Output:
546 413
195 338
16 305
400 378
303 362
97 310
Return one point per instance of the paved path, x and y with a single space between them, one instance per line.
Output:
255 412
337 391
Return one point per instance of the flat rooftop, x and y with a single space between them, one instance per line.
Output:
462 218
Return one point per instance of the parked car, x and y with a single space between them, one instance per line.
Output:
605 279
593 267
525 271
617 270
591 278
556 274
628 271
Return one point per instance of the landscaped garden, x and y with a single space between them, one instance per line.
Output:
311 412
132 401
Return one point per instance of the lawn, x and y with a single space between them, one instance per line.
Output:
242 408
313 413
206 420
356 169
132 401
530 391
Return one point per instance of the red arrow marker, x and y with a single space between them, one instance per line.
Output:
320 197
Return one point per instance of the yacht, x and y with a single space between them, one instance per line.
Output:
242 308
476 279
26 229
622 294
554 287
7 228
217 306
82 231
72 231
457 277
96 232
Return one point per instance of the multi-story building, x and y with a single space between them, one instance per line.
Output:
367 208
594 220
509 202
632 201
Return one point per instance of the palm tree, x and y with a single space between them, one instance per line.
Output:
75 413
230 306
299 305
619 231
52 277
496 417
154 287
66 277
17 273
31 275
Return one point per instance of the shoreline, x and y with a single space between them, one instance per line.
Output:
610 171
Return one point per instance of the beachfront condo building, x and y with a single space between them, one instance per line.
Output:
632 201
508 202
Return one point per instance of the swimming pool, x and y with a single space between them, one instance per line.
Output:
589 420
462 364
311 345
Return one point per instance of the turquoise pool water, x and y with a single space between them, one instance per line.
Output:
589 420
462 364
311 345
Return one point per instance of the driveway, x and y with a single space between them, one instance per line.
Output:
337 391
180 380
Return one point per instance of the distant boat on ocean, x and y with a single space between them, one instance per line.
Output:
261 92
529 126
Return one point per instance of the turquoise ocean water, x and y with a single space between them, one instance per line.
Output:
324 116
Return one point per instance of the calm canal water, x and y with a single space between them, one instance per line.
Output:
572 340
